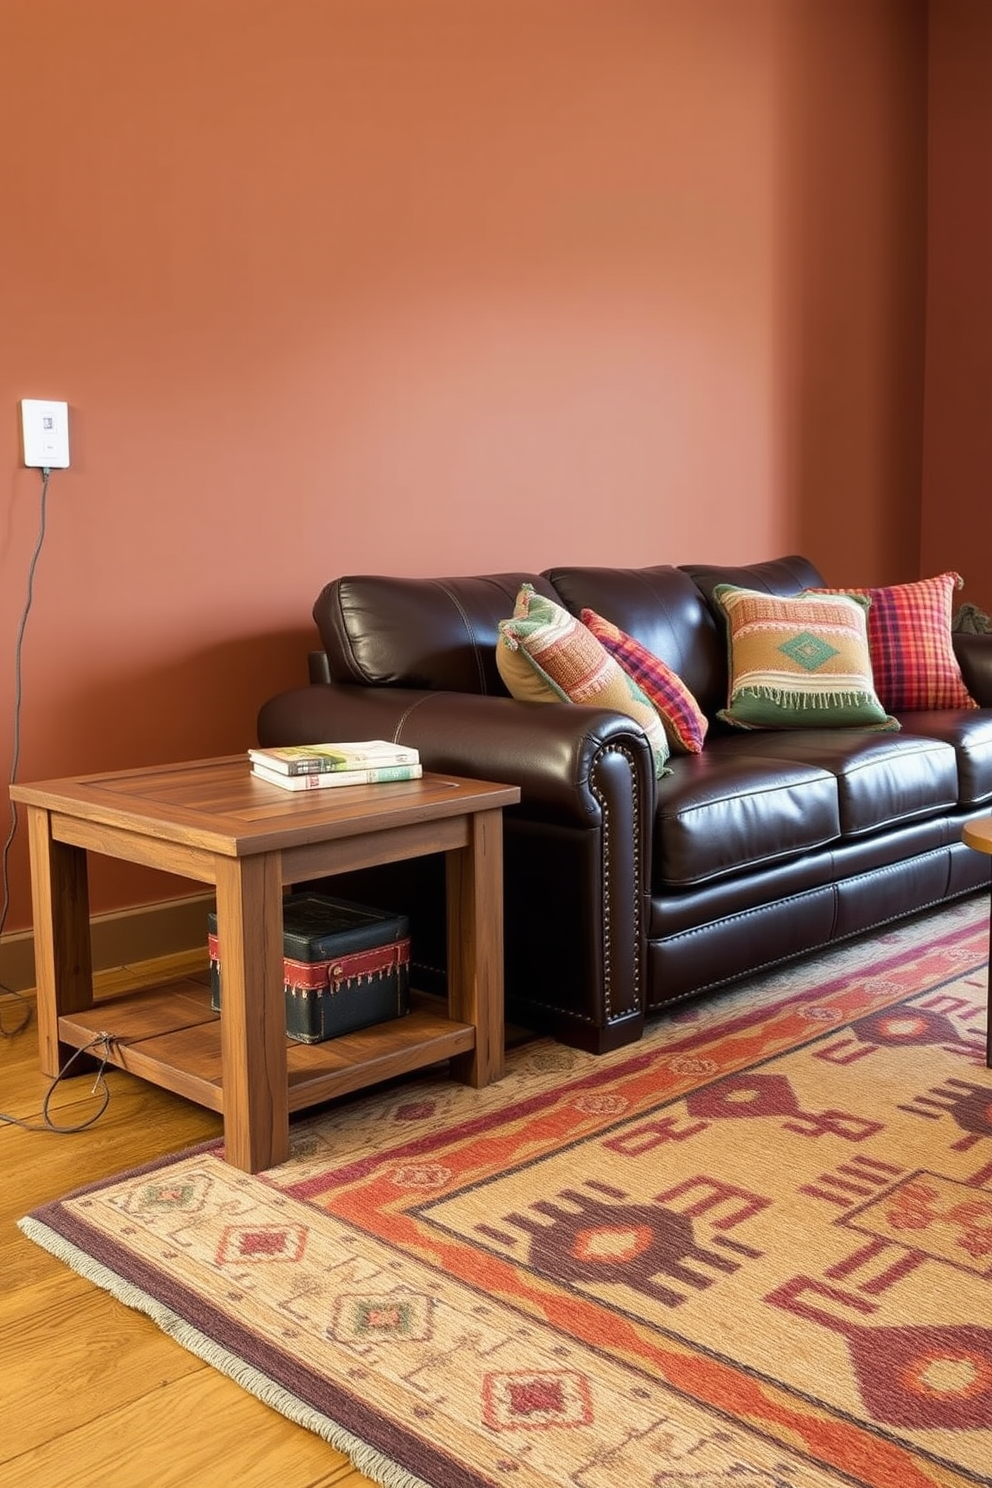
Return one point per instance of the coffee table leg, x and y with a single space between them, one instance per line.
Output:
475 946
253 1012
988 1002
62 954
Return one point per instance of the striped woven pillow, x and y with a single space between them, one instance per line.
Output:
798 661
684 721
911 645
545 655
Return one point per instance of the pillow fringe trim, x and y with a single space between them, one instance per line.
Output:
798 699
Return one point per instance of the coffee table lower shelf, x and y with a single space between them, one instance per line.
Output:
170 1036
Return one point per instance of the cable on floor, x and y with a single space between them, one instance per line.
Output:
104 1042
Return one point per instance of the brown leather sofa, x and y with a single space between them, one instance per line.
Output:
626 894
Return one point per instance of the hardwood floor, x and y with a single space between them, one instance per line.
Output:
93 1394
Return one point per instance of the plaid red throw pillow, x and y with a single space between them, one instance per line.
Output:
684 721
911 646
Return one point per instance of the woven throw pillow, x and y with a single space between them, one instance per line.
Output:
683 720
911 646
800 661
544 654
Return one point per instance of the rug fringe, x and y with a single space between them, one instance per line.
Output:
365 1458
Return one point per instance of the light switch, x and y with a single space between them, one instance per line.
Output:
45 426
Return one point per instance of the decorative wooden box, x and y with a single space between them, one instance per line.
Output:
346 966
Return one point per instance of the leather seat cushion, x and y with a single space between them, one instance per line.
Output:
969 732
757 798
721 812
882 779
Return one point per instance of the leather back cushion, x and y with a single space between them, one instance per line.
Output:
425 633
776 576
669 610
378 630
662 609
781 576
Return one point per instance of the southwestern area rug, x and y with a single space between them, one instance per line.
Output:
753 1251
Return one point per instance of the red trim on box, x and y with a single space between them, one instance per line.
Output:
315 976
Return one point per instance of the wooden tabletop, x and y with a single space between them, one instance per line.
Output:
978 834
221 806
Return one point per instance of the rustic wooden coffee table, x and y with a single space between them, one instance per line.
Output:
979 836
214 822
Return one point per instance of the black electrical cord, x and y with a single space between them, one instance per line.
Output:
104 1042
6 991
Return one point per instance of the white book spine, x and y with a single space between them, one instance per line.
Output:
327 779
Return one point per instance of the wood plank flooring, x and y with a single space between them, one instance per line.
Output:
92 1394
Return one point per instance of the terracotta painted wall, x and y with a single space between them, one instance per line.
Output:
854 261
957 465
432 286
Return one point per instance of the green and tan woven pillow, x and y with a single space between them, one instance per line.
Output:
545 655
799 661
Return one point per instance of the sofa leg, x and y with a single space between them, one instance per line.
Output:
577 1033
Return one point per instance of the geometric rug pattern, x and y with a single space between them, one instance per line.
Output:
752 1251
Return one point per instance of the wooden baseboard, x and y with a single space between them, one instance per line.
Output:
144 933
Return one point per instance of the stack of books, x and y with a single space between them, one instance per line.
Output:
317 766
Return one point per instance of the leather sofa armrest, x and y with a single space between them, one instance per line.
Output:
974 654
567 760
318 667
